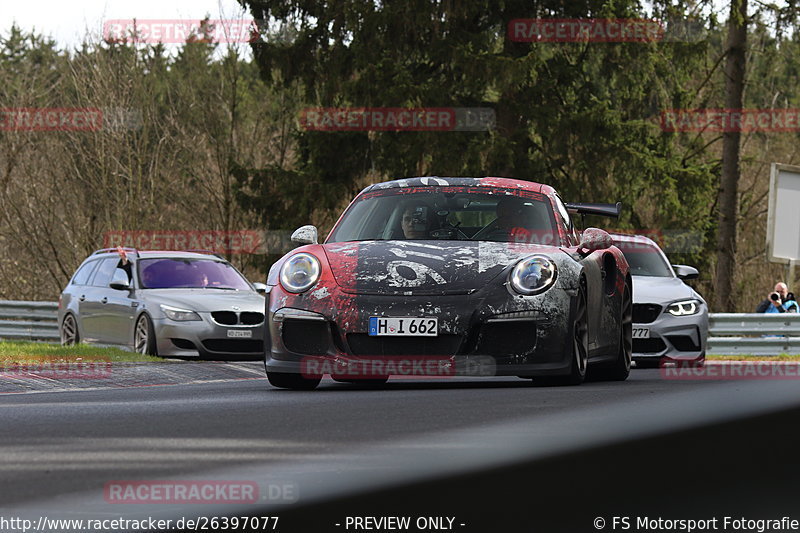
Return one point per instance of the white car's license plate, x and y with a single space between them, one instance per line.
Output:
240 333
641 333
380 326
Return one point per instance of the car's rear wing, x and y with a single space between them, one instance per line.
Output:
603 210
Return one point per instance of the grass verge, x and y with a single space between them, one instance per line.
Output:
32 352
783 357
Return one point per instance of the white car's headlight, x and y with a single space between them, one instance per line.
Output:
179 315
533 275
684 308
300 272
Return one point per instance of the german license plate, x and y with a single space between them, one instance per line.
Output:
641 333
240 333
380 326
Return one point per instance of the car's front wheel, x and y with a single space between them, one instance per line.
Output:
620 368
69 331
284 380
580 345
144 337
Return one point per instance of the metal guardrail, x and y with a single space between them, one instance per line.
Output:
729 333
754 334
29 321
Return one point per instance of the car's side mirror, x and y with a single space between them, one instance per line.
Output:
686 272
119 280
594 239
261 288
305 235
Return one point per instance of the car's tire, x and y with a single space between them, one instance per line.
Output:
620 368
69 331
284 380
144 336
580 345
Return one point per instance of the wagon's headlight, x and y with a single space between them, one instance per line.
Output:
179 315
300 272
533 275
684 308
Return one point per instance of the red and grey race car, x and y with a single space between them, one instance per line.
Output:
449 277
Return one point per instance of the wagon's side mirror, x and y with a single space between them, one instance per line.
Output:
119 280
305 235
594 239
686 272
261 288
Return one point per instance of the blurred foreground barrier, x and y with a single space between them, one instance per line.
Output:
31 321
754 334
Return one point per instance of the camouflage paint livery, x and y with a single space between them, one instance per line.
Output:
465 284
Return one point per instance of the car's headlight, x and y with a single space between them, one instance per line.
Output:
684 308
533 275
300 272
180 315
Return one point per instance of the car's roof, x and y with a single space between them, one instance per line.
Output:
165 254
438 181
636 239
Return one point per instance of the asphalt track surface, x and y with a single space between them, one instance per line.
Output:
59 449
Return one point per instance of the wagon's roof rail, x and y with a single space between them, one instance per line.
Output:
116 250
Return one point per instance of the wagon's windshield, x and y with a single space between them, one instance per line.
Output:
175 273
644 259
449 213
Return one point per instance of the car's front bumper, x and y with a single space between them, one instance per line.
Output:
496 334
207 339
678 338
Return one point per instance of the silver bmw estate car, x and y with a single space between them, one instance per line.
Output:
163 303
670 319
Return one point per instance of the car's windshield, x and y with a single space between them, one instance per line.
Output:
449 213
644 259
174 273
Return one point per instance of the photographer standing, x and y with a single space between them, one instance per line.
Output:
774 302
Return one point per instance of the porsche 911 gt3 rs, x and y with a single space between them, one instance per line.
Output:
451 276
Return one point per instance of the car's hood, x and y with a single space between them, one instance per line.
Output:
205 300
422 267
660 290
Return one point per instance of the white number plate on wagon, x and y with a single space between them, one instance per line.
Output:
641 333
380 326
240 333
